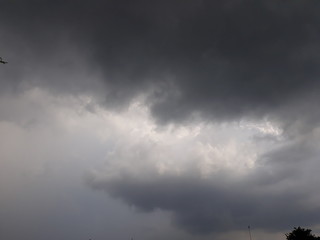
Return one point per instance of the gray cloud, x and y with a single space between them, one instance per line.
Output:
219 59
280 192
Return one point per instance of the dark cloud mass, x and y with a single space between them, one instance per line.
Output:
221 61
278 194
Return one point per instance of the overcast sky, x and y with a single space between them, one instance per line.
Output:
144 119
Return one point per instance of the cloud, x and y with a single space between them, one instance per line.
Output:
275 195
205 109
221 60
47 144
221 181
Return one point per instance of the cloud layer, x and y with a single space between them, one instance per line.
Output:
205 110
277 189
219 59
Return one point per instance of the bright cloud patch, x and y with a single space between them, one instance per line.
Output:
142 147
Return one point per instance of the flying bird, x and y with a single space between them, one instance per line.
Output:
1 61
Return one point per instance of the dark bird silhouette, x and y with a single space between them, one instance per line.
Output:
1 61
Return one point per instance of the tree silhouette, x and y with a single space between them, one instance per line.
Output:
301 234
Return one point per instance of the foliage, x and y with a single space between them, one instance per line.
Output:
301 234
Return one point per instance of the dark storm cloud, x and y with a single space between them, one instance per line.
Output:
202 207
276 195
222 59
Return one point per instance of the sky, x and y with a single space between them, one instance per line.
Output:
151 119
